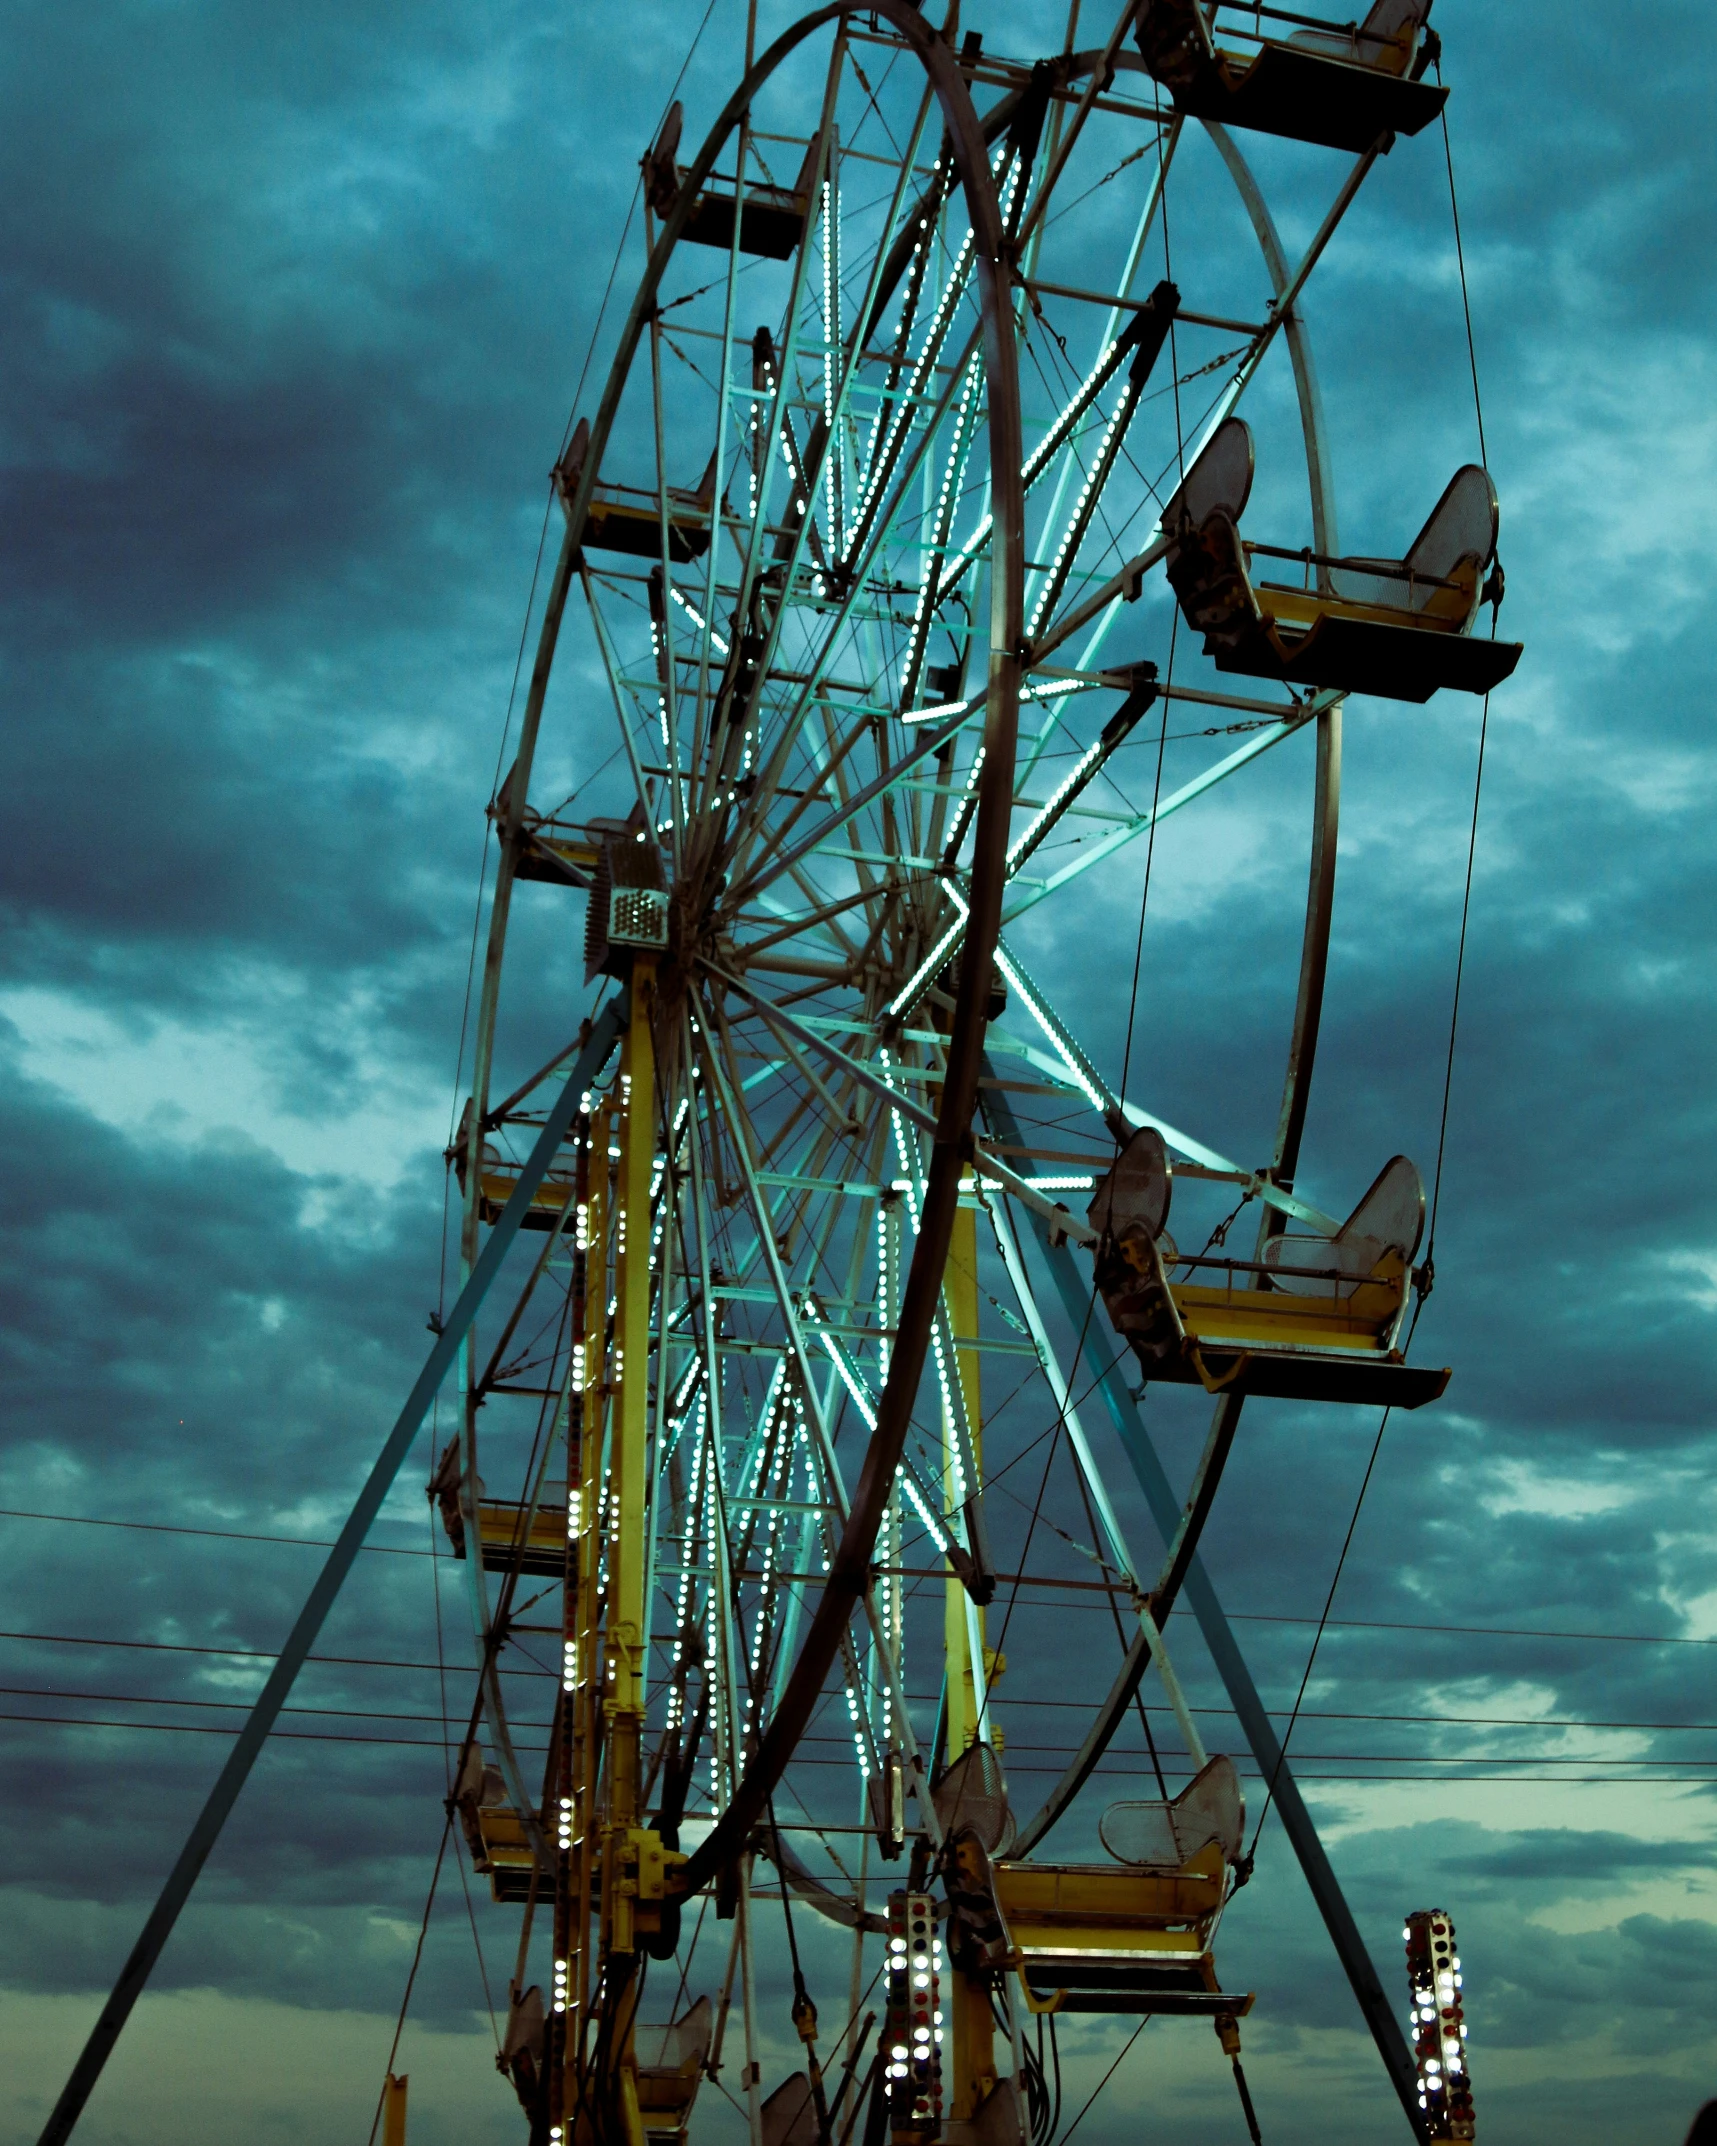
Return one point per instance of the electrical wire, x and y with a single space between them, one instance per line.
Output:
1461 265
477 1941
1339 1624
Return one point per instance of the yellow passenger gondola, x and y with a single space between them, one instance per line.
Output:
1343 85
1131 1935
771 218
669 2062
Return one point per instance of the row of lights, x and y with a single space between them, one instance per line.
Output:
913 2028
1437 2025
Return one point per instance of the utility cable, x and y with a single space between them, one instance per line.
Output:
1317 1640
1461 265
1429 1268
476 1939
1429 1265
162 1527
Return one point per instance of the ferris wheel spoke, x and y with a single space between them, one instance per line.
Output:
794 925
1101 606
881 463
1060 443
1142 344
706 625
1150 1646
784 373
944 1522
862 1074
867 548
833 471
816 1530
1142 692
1101 74
788 565
1026 895
1061 438
1066 1409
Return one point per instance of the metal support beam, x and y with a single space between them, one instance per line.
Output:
134 1975
1380 2015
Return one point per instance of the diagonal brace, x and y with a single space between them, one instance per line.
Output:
134 1975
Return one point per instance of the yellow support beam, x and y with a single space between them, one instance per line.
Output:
971 2024
579 1696
393 2109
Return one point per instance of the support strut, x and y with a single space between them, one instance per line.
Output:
134 1975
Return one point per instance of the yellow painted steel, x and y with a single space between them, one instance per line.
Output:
1445 609
506 1846
960 1294
586 1437
498 1529
631 2116
666 2094
1105 1907
546 1202
617 1866
971 2023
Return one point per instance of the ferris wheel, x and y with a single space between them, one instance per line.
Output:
801 1433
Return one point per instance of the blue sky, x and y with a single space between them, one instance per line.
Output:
297 305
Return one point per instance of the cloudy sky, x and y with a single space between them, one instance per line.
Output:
296 303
